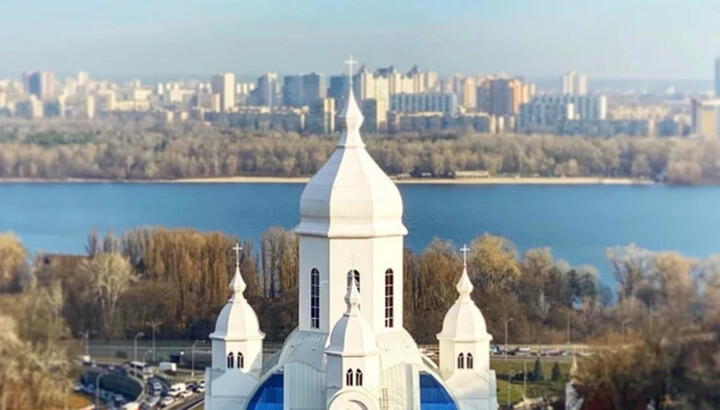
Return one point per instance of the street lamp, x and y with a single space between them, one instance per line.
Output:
97 390
154 326
192 353
140 334
86 335
506 334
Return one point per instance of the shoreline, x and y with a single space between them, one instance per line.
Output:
303 180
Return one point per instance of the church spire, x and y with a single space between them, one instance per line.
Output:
352 298
464 286
237 285
351 115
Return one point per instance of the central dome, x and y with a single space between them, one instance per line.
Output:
350 196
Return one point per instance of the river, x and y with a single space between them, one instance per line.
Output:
577 222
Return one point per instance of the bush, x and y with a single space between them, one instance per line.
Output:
556 374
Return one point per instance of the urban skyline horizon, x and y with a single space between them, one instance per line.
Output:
543 82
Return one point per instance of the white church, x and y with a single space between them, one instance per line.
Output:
350 350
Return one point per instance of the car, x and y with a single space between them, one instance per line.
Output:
152 401
200 389
186 393
166 401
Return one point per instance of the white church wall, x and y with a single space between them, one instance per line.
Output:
313 255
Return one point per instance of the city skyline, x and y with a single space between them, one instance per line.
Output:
521 38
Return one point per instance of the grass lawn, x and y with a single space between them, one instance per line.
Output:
544 388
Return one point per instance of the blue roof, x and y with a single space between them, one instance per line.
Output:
269 396
433 395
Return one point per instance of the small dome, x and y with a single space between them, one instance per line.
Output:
464 322
352 334
237 320
350 196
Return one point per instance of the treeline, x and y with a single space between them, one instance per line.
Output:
176 281
145 151
658 331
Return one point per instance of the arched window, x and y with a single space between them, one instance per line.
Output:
240 360
315 299
230 361
389 293
358 377
349 377
469 361
461 361
353 274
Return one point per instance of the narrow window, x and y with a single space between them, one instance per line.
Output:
240 360
353 274
358 377
469 361
230 361
461 361
315 299
389 277
349 377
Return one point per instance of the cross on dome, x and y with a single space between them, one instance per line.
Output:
464 286
350 62
237 248
464 251
237 285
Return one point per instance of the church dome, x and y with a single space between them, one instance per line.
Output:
350 196
237 320
352 334
464 322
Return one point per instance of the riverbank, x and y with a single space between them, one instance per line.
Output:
303 180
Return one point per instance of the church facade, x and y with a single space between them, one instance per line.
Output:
350 349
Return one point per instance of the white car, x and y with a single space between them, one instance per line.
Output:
185 394
200 389
166 401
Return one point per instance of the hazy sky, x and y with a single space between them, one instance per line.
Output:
603 38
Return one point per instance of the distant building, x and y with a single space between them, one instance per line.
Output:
338 88
223 84
706 118
545 113
292 91
54 108
425 102
469 94
41 84
321 117
30 108
267 91
573 83
376 114
302 90
506 96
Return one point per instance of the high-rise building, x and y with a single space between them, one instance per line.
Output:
41 84
717 77
706 118
338 89
573 83
303 89
506 95
292 91
267 91
223 84
376 115
313 87
469 94
321 116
